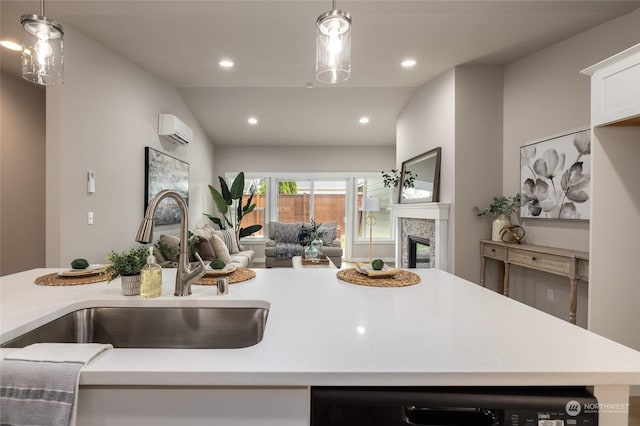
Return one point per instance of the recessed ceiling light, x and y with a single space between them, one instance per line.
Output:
408 63
252 120
226 63
11 45
364 120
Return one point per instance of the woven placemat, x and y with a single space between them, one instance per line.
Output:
240 274
401 279
55 279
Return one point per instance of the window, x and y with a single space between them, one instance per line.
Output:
294 200
322 200
328 197
257 186
373 187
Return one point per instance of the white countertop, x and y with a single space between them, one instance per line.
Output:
323 331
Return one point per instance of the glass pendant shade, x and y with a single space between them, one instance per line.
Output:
42 50
333 47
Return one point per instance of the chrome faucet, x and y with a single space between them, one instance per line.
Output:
185 275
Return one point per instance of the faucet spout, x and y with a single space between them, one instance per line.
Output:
185 274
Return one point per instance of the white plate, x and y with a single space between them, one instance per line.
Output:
228 268
93 269
367 269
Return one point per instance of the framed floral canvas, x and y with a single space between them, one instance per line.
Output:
555 178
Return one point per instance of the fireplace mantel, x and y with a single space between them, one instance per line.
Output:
435 211
438 212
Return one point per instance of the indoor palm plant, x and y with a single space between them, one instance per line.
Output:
127 265
228 201
502 208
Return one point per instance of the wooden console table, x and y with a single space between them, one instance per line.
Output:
572 264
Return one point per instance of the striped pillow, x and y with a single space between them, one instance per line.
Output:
229 238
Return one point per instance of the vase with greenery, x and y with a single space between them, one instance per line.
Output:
229 203
502 208
127 265
311 238
391 179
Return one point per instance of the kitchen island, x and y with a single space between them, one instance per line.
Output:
322 331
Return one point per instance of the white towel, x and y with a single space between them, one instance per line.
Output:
39 383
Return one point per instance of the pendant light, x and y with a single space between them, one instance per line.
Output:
42 49
333 46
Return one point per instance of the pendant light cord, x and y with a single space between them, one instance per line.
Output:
42 8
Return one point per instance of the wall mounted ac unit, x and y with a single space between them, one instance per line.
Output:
172 129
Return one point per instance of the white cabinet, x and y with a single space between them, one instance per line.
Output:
615 201
193 406
615 89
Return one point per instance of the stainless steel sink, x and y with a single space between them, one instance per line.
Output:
161 327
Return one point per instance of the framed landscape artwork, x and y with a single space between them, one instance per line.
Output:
165 172
555 178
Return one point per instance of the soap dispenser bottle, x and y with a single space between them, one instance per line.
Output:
151 278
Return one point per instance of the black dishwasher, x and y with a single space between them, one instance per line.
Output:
453 406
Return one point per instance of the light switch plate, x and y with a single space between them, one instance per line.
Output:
91 182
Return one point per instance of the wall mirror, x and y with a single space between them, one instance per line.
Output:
420 178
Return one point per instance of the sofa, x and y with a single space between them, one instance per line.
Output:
209 243
284 243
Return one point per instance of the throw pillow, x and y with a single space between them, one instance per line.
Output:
220 248
287 232
158 254
204 233
199 243
169 245
229 238
205 249
330 233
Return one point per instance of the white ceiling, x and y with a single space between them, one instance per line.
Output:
273 46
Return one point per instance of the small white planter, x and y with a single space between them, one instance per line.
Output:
130 285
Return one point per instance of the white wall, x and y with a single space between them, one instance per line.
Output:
545 95
22 175
427 122
478 161
101 119
460 111
301 159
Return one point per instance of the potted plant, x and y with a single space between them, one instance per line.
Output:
311 238
502 208
229 201
127 265
391 179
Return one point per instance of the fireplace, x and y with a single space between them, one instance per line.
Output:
419 252
427 221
